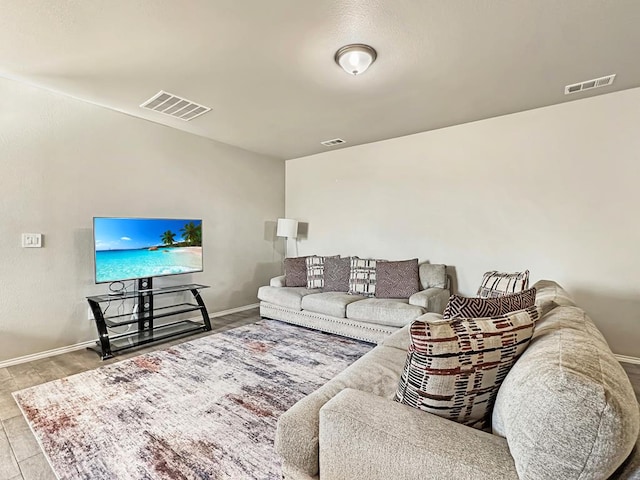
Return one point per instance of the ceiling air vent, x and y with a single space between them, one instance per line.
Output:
333 143
178 107
589 84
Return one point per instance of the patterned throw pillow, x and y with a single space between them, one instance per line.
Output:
397 279
315 271
336 274
465 307
496 284
455 368
295 272
362 277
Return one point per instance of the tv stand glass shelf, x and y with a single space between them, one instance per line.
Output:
146 324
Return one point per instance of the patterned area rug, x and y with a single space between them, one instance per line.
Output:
205 409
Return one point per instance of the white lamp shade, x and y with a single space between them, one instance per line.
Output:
287 227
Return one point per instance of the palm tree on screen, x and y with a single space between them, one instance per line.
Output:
192 234
168 237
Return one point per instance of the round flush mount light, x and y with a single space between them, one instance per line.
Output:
355 58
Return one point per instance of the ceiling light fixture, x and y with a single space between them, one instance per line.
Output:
355 58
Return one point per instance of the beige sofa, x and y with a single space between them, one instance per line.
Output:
355 316
566 410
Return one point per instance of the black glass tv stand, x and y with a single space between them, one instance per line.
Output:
146 324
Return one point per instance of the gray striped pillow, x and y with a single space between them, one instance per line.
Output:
362 277
315 271
496 284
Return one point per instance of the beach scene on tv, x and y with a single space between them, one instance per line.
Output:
129 248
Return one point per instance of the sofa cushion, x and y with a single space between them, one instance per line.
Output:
396 312
289 297
367 437
469 307
329 303
397 279
496 284
295 272
567 408
454 368
362 277
433 275
336 274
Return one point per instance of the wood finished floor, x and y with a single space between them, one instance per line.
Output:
20 454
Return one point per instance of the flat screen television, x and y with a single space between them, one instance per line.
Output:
132 248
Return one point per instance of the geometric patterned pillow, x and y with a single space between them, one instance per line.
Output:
455 368
496 284
362 277
295 272
336 274
315 271
473 307
397 279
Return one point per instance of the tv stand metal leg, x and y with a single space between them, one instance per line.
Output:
203 310
103 333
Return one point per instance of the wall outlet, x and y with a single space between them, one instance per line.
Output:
90 314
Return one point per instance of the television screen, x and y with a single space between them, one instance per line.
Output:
131 248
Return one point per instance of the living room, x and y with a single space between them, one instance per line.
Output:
450 155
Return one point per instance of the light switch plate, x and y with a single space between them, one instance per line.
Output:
31 240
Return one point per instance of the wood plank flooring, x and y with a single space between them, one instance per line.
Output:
20 454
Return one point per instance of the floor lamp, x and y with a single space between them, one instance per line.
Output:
288 228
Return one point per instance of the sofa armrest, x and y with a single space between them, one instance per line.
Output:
432 299
278 281
366 436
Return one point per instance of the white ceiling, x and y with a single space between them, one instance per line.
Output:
266 67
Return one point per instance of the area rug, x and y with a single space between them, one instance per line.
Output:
205 409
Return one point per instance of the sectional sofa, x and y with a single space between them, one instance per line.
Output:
355 316
566 410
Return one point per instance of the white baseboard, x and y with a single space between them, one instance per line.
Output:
222 313
626 359
80 346
48 353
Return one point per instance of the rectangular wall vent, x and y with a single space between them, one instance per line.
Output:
589 84
175 106
333 143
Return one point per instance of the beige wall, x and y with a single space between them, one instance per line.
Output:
64 161
555 190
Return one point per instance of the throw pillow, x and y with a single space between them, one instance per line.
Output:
362 277
465 307
336 274
397 279
295 272
315 271
455 368
496 284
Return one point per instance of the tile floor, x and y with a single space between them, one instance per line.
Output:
20 455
